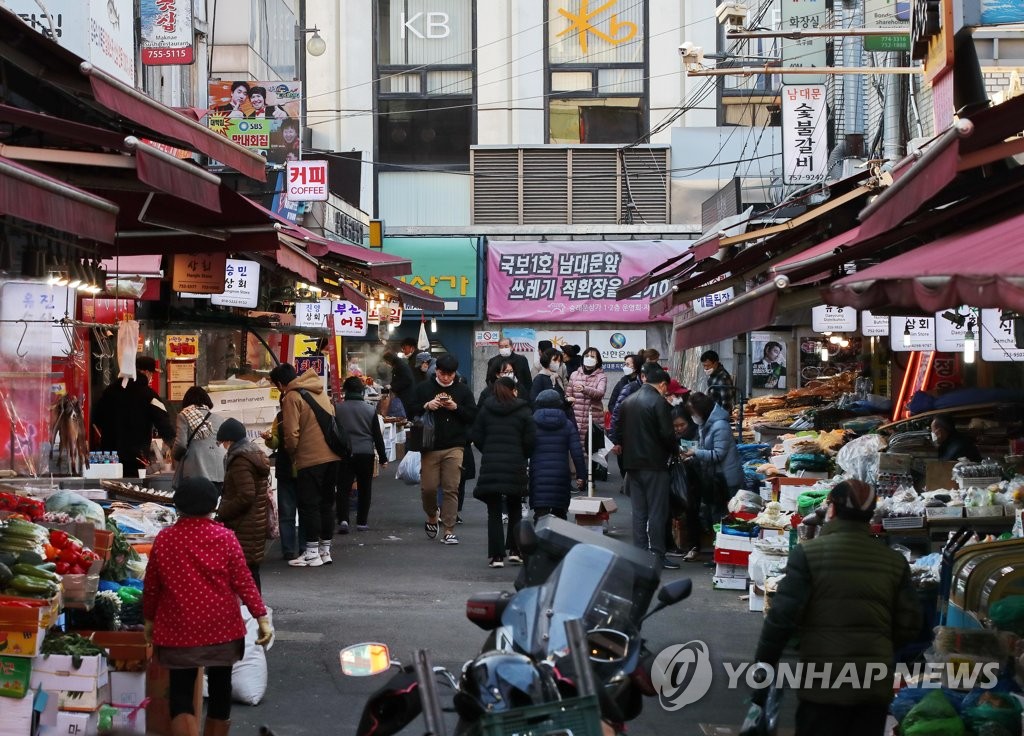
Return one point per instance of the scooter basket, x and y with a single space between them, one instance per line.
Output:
578 716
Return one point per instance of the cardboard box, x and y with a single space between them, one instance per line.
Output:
734 541
736 557
938 474
16 716
127 651
15 673
895 462
21 630
76 724
730 571
82 688
756 599
127 693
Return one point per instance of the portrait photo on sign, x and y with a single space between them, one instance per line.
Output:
768 360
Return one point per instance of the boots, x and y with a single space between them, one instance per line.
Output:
216 727
185 724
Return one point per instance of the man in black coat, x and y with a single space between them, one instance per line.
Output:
648 442
402 381
125 418
453 410
521 366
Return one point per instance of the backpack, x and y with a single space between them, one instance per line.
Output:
334 434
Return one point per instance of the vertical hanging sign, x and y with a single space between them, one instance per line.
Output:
804 133
804 15
166 32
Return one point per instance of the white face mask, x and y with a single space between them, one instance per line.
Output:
627 370
589 362
442 383
504 352
708 371
935 439
510 375
675 400
698 420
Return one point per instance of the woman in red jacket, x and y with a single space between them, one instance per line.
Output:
195 576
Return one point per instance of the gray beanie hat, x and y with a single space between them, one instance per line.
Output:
549 399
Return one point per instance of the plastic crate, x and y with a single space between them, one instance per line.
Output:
903 522
578 716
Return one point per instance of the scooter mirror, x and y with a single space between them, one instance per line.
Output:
607 645
675 591
361 660
526 537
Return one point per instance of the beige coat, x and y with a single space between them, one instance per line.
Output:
303 439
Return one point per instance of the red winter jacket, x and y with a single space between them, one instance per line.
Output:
195 576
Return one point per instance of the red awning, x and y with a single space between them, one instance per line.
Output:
137 107
817 252
184 180
749 311
134 266
36 197
411 296
296 261
980 267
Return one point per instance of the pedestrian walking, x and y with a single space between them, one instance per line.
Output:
245 502
402 381
520 365
557 439
194 578
359 418
293 535
453 410
718 460
630 374
127 415
505 433
648 442
849 600
585 391
316 467
196 448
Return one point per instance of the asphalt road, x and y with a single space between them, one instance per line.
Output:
391 584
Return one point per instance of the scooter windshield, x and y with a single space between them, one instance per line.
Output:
590 583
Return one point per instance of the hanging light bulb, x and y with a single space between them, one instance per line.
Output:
433 324
969 346
834 339
824 353
906 335
76 275
844 343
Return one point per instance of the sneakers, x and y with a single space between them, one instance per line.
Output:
458 518
431 529
362 528
496 562
450 539
670 564
325 553
342 528
692 555
514 559
504 518
674 553
310 559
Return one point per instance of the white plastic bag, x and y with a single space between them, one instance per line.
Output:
127 350
249 674
859 457
409 469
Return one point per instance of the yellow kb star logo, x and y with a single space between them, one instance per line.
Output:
580 22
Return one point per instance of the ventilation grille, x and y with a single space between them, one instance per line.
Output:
573 185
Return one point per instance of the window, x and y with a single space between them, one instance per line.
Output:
272 36
426 88
597 71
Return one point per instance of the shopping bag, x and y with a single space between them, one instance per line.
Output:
409 469
679 491
763 717
419 437
273 522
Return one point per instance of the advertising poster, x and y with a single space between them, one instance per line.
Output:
768 360
260 116
524 339
574 282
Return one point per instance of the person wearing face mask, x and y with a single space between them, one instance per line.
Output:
630 374
244 504
585 392
720 385
520 365
454 410
719 468
951 444
548 378
424 368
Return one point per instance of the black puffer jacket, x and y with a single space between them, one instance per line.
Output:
645 430
505 434
451 428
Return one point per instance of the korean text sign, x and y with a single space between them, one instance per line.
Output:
166 32
260 116
573 281
444 267
804 133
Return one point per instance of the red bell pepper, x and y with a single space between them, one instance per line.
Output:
58 538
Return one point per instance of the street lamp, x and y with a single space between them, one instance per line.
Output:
316 46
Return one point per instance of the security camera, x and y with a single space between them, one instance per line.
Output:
691 54
732 15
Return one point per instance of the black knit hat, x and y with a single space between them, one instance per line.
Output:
231 430
196 496
549 399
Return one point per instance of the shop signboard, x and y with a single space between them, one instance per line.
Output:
241 285
198 273
997 341
35 302
826 318
444 267
167 33
312 314
100 31
615 345
318 364
306 181
872 326
391 312
804 133
911 334
182 347
949 338
349 320
260 116
709 301
804 15
574 282
891 14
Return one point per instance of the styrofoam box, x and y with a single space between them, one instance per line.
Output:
729 583
103 470
734 541
984 510
16 716
75 724
730 571
789 495
944 512
732 557
756 602
84 688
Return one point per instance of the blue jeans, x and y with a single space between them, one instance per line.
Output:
292 537
648 490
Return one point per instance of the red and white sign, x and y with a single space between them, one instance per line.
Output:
306 181
804 133
166 32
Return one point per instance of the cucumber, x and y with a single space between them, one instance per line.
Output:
35 572
35 586
31 558
8 558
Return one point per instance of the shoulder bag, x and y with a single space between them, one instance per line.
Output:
179 471
420 436
334 434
